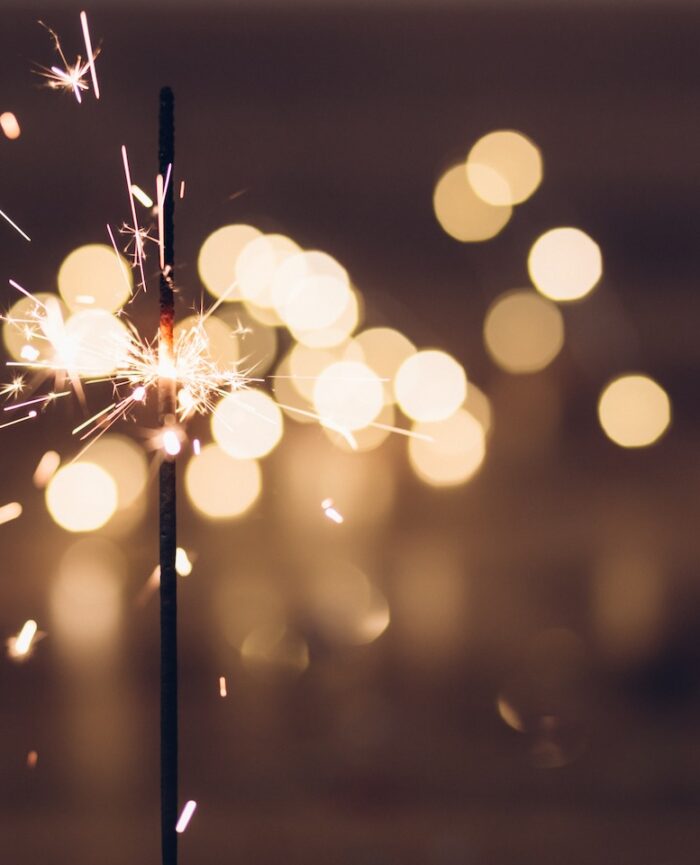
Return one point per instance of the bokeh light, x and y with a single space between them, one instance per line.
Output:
462 213
221 487
218 256
93 277
634 411
523 332
125 462
81 497
258 263
335 333
310 291
94 343
384 350
430 385
452 454
256 342
565 264
274 647
348 395
222 343
19 332
9 125
513 163
247 424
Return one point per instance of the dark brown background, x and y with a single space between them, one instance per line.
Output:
334 124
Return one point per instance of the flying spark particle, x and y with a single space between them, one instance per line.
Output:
32 759
222 686
141 196
183 565
186 816
197 447
331 512
10 512
46 469
9 125
19 646
91 55
182 189
15 226
29 352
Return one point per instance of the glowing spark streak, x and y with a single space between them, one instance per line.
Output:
71 78
186 816
50 397
19 420
137 230
182 189
10 512
46 469
93 418
222 686
331 512
160 195
141 196
91 56
24 639
9 125
27 294
197 447
15 226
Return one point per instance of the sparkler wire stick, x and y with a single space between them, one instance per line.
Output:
167 512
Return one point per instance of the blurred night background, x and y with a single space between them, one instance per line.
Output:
494 658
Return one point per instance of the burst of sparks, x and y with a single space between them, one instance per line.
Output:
71 77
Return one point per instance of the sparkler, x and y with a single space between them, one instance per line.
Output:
71 78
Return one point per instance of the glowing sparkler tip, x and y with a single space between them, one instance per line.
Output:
171 442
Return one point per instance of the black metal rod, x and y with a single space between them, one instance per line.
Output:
167 506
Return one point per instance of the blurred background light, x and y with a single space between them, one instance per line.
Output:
81 497
222 343
430 385
93 277
9 125
19 330
513 163
454 452
221 487
247 424
257 264
94 343
523 332
348 394
634 411
218 257
565 264
462 213
275 647
311 291
384 350
126 464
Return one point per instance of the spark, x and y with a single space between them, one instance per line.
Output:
70 78
141 196
186 816
222 686
10 512
14 388
18 647
182 189
32 414
138 252
331 512
171 442
46 469
91 55
15 226
241 330
9 125
196 447
183 568
183 565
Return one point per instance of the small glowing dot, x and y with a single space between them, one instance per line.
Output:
23 641
32 759
9 125
523 332
81 497
29 352
453 452
186 816
247 424
96 272
218 257
171 442
183 565
196 447
348 394
221 487
634 411
460 211
513 163
10 512
430 386
139 394
565 264
222 686
331 512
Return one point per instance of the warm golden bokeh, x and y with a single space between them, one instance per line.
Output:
221 341
221 487
125 462
462 213
523 331
348 395
310 291
93 277
504 167
384 350
257 264
21 334
247 424
9 125
565 264
81 497
94 343
453 451
430 385
218 256
634 411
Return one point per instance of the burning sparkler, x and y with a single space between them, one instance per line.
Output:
71 77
